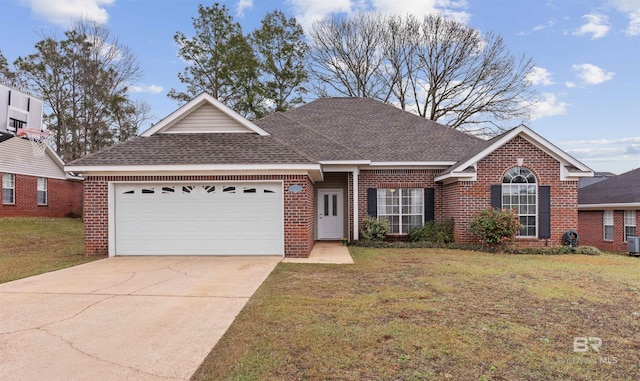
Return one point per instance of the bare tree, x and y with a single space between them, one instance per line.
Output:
436 67
84 81
346 56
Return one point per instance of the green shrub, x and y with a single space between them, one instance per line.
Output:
438 232
374 229
494 227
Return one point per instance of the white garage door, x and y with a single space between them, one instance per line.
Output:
199 219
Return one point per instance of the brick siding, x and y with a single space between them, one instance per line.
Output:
591 230
298 209
468 197
64 198
394 178
461 200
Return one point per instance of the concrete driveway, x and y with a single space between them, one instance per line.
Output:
138 318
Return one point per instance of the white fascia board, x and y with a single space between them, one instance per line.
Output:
445 164
32 175
192 105
314 171
612 206
339 168
189 167
457 176
345 162
530 136
552 150
53 155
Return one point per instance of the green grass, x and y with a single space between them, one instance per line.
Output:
435 314
31 246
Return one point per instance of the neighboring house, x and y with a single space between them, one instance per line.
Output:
597 177
608 211
31 185
205 181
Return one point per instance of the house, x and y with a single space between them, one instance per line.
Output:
608 211
205 181
32 184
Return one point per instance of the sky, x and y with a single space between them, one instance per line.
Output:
586 53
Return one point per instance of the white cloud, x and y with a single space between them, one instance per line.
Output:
570 84
64 12
546 105
591 74
597 25
549 24
539 76
308 11
632 9
153 89
243 5
617 155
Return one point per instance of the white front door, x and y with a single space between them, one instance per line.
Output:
330 214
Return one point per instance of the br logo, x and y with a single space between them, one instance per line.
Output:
582 344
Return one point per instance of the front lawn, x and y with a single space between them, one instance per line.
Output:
435 314
31 246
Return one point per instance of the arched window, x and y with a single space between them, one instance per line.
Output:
520 192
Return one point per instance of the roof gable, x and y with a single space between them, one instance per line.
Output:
572 168
16 156
204 114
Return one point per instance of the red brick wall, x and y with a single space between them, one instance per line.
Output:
591 230
395 178
64 198
475 195
298 209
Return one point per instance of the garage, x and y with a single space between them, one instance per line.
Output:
240 218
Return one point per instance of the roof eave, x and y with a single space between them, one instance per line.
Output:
611 205
313 170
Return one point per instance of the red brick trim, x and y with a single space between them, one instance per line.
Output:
298 209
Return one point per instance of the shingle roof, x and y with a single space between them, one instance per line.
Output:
306 139
372 130
621 189
176 149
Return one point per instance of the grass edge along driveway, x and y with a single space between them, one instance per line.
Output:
430 314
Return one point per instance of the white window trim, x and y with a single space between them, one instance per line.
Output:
43 186
6 185
629 221
536 215
607 220
400 205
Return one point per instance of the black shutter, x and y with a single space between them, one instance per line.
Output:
429 204
372 202
496 196
544 211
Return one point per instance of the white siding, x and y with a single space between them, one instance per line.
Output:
206 118
16 156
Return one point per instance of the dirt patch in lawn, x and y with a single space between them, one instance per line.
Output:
31 246
427 314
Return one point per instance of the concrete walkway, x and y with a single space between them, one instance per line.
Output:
328 252
150 318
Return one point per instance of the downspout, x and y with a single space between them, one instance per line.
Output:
356 228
